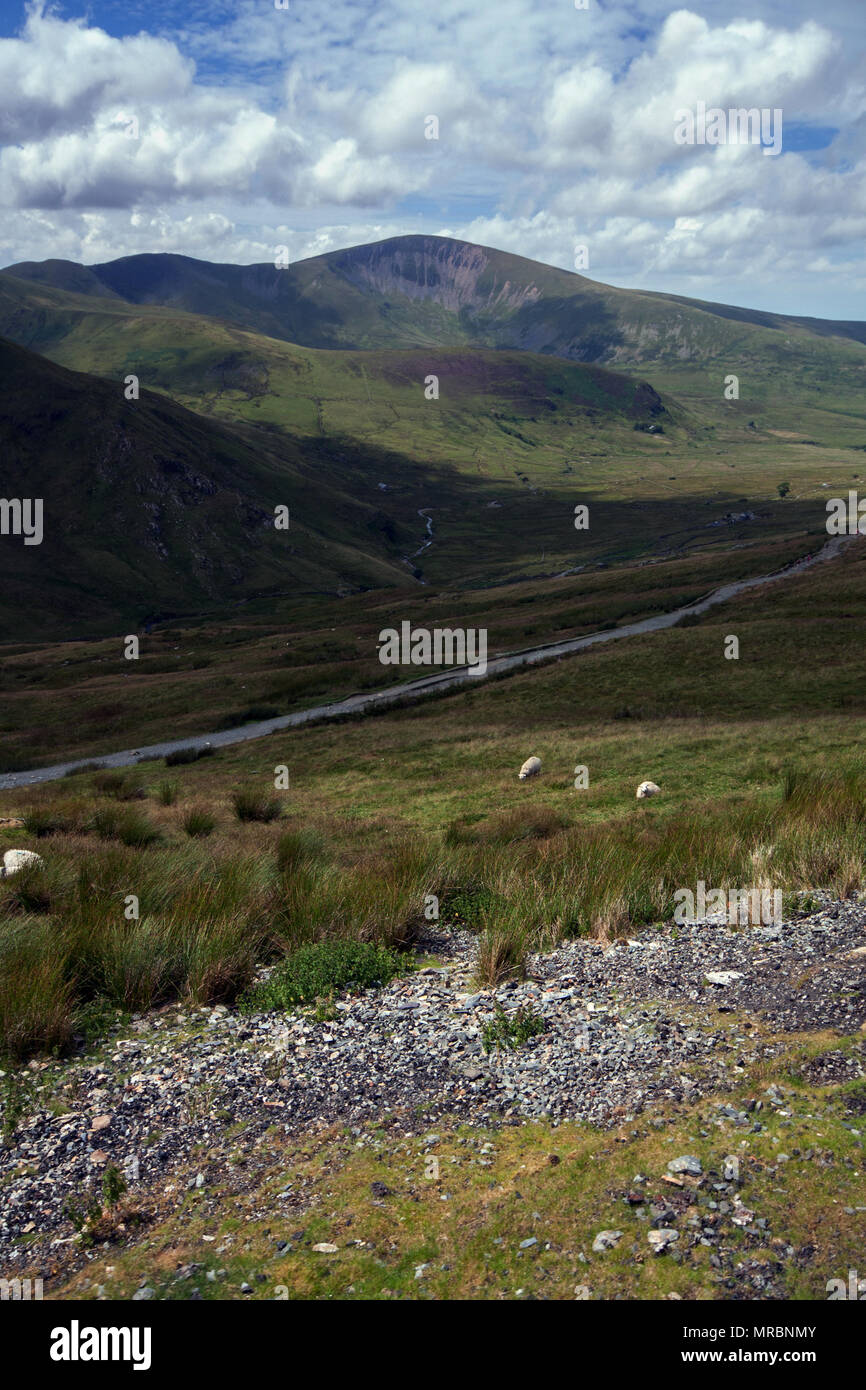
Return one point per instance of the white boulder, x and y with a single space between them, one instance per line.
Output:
723 978
531 768
16 859
647 789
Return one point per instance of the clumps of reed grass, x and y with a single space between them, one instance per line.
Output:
379 898
67 816
321 970
251 804
121 785
203 927
250 714
37 997
167 792
198 822
507 827
28 892
502 952
298 846
130 827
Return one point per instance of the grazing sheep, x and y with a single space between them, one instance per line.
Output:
15 859
647 789
531 768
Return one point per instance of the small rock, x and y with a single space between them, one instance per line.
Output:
662 1239
686 1163
606 1240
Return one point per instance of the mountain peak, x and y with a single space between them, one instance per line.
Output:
455 274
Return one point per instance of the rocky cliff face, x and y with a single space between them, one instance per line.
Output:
455 274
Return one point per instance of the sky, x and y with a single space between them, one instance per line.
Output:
226 130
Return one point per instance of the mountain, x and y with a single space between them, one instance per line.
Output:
237 417
415 291
148 508
489 413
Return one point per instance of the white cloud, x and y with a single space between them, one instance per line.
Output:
260 127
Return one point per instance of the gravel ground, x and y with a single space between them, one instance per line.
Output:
629 1028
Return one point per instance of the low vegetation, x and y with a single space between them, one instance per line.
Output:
320 971
513 1031
135 908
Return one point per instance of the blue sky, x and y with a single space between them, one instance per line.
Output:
225 130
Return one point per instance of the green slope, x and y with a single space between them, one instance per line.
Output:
150 509
414 291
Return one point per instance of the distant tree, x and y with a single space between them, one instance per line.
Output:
783 489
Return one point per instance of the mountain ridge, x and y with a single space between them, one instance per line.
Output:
460 292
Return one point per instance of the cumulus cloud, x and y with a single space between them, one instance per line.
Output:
252 127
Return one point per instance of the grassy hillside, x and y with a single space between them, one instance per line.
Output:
382 811
761 767
148 508
274 655
497 462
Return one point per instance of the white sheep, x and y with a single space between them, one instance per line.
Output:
16 859
647 789
531 768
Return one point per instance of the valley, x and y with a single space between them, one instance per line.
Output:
298 861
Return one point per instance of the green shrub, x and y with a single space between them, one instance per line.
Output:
321 969
466 907
16 1093
113 1185
502 1031
94 1020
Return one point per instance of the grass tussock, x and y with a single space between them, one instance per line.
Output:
198 822
250 804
